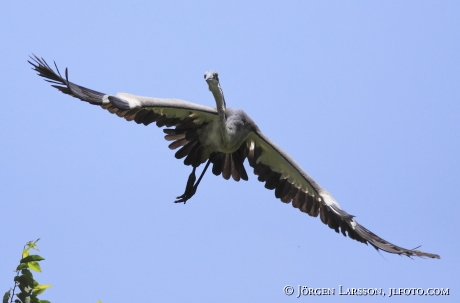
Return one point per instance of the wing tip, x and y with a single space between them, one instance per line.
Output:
381 244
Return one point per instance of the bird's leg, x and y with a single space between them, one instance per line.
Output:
191 187
188 187
201 177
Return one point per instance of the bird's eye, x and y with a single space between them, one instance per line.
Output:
205 76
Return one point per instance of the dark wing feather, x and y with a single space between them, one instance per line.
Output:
281 173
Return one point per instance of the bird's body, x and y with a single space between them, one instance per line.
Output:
238 125
225 138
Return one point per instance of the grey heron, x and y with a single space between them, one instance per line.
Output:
225 138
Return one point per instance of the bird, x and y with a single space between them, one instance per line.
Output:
225 138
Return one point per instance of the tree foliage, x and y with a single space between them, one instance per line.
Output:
24 280
29 288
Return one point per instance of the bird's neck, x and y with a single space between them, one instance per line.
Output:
221 110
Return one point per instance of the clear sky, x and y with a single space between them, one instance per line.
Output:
365 95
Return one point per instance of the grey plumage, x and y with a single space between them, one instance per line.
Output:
225 138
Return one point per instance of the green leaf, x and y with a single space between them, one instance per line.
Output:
31 258
6 296
38 292
25 252
26 272
34 266
22 296
24 282
41 288
22 266
44 301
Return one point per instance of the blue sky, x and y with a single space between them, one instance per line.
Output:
363 94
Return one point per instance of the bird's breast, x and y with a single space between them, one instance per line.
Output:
212 139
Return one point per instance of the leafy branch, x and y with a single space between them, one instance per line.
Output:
24 280
29 288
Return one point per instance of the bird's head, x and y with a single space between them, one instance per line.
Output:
212 78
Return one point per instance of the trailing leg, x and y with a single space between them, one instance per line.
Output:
191 187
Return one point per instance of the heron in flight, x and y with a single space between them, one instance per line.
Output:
225 138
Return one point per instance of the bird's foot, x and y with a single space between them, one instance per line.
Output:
189 192
190 189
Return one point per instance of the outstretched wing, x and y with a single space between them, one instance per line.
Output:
280 172
187 118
